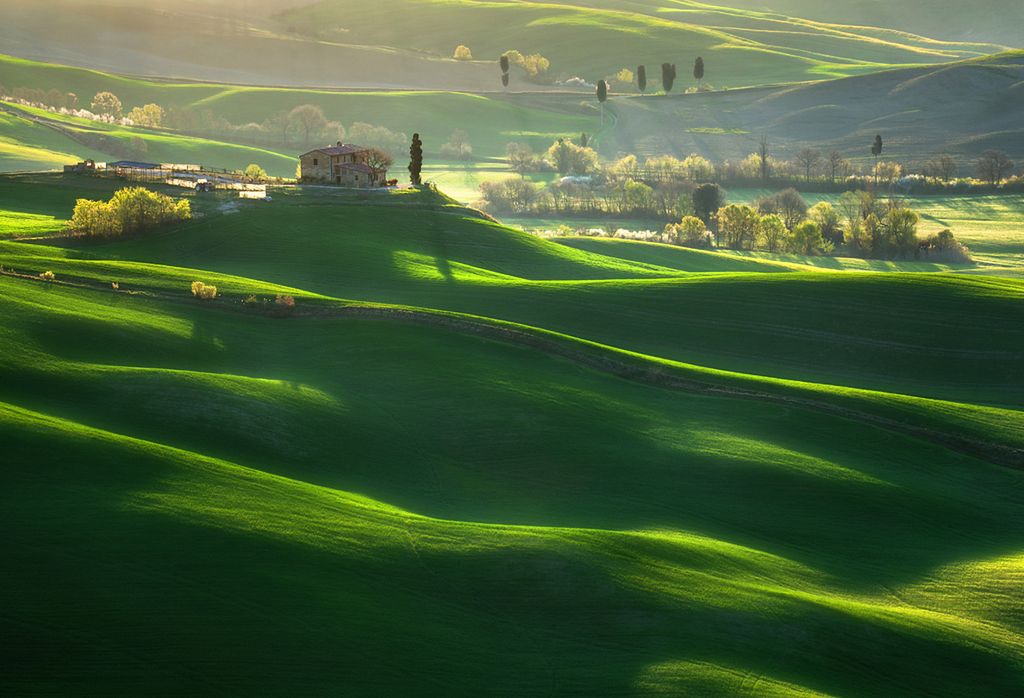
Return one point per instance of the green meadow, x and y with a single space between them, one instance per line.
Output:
477 461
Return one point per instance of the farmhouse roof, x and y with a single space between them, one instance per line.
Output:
339 149
357 166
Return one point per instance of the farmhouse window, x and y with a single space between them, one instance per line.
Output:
315 162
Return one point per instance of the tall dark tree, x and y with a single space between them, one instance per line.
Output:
602 96
762 157
641 77
698 70
876 150
415 160
584 139
503 63
876 147
707 199
668 76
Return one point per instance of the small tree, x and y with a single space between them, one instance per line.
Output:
876 150
827 219
807 239
150 115
107 104
602 96
738 226
378 161
668 76
837 165
462 53
707 200
641 78
994 166
308 117
255 173
763 158
624 77
458 146
688 231
788 204
772 233
899 228
942 167
808 159
698 71
415 160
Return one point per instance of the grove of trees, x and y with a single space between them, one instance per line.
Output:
128 211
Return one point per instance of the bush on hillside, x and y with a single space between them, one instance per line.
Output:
462 53
284 306
47 276
689 231
943 247
129 210
203 291
255 173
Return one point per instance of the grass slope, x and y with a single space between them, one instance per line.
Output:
210 500
409 43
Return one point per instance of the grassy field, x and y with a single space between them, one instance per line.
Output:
906 106
409 43
477 461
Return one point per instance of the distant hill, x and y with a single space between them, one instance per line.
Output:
959 109
409 43
982 20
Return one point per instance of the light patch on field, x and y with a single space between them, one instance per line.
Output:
17 224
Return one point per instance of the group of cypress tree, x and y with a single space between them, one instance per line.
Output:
668 75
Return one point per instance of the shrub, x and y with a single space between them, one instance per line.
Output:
462 53
47 276
150 115
689 231
115 286
943 247
255 172
129 210
807 239
772 233
284 305
203 291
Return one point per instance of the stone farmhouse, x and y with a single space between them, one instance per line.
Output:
343 164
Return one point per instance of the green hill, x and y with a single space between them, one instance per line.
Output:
409 43
601 480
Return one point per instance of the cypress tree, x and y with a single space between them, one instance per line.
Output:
698 70
668 76
415 160
641 77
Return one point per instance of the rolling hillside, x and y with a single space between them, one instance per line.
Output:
409 43
475 461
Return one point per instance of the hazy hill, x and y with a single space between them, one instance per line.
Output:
983 20
961 109
409 43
